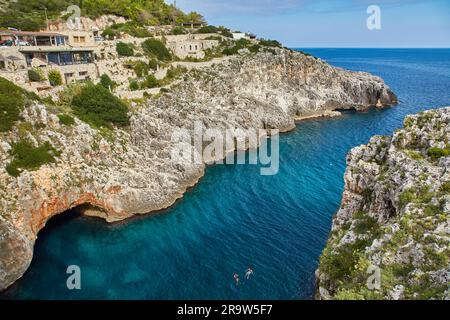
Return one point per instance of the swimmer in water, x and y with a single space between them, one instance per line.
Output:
236 278
248 273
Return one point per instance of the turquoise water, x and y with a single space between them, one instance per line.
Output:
235 218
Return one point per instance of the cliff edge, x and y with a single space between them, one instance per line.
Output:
391 237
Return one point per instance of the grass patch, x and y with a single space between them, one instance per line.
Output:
27 157
66 120
437 153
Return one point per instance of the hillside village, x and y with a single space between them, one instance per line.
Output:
98 50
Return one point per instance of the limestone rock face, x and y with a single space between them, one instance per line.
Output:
132 171
394 217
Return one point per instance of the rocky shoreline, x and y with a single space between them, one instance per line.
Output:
391 237
130 171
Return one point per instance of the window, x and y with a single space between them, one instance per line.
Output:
2 65
76 39
83 73
82 39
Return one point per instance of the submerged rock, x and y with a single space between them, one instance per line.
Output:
121 173
391 237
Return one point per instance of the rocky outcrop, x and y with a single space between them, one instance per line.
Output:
391 237
121 173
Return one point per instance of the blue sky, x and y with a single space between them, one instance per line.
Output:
332 23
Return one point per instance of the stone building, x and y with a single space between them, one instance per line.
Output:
69 52
191 45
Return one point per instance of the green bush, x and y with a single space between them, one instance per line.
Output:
124 49
27 157
132 28
178 31
109 33
153 64
97 106
208 29
66 120
35 75
154 47
55 78
270 43
134 85
141 69
12 101
437 153
150 82
106 82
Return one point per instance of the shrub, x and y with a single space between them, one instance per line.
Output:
97 106
151 82
154 47
270 43
109 33
436 153
208 29
106 82
134 85
124 49
12 101
153 64
35 75
178 30
406 197
141 69
55 78
66 120
26 157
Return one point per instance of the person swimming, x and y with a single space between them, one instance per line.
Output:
248 273
236 278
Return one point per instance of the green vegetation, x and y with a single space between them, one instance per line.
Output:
31 15
12 101
125 49
153 64
55 78
134 85
141 69
97 106
132 28
107 82
150 82
36 75
213 29
437 153
178 31
270 43
66 120
155 48
27 157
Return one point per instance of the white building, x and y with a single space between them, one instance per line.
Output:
240 35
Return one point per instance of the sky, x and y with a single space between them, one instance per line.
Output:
333 23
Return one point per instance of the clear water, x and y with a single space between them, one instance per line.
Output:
235 218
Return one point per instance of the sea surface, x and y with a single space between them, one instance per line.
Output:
235 218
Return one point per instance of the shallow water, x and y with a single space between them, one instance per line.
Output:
235 218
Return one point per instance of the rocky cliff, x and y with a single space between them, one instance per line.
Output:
391 237
117 174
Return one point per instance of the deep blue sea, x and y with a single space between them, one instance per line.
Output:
235 218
